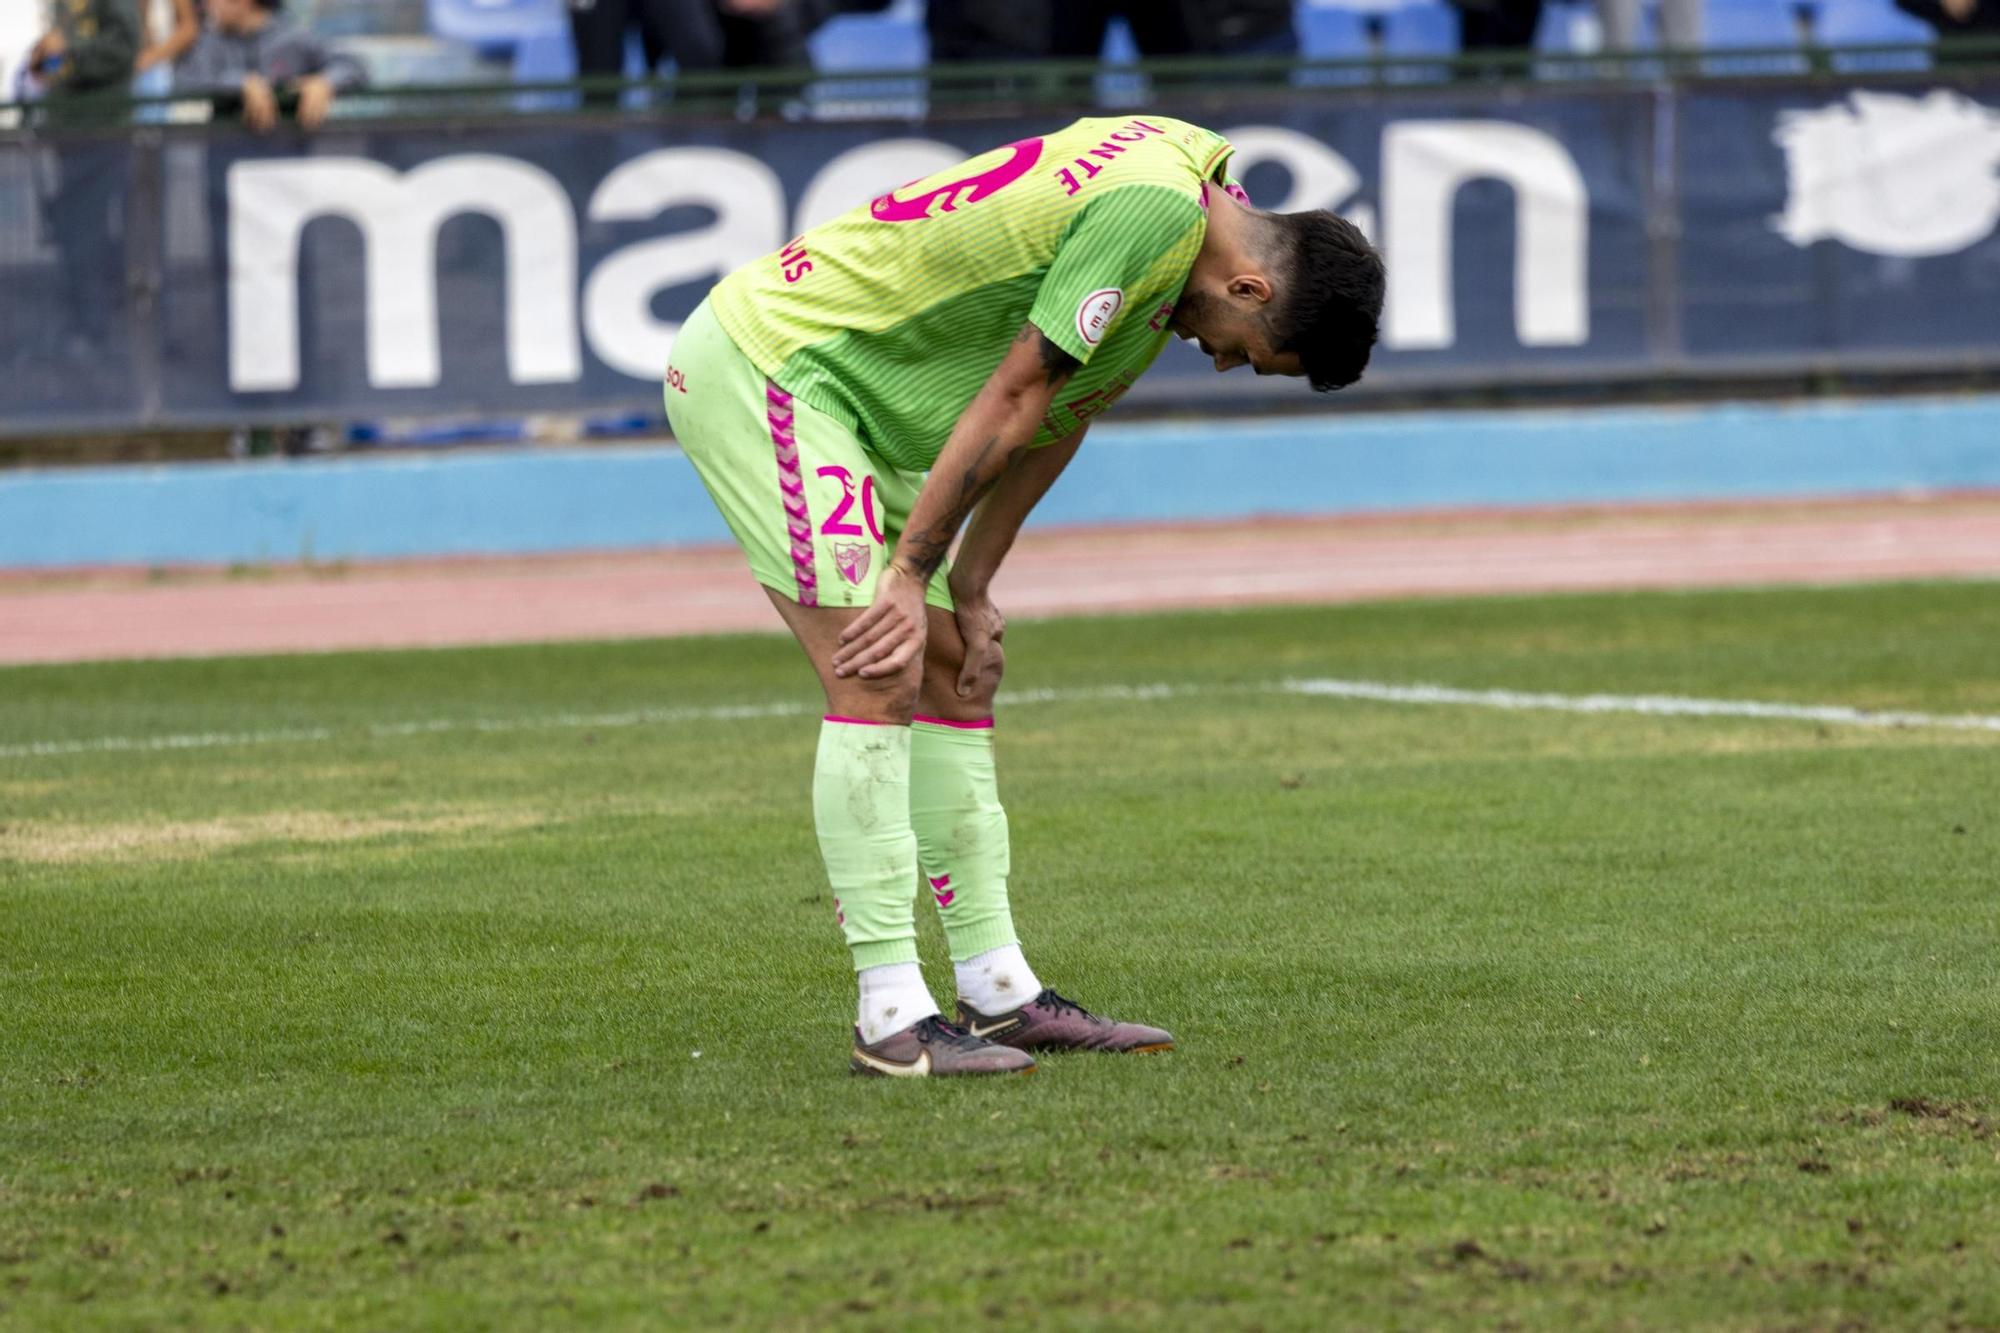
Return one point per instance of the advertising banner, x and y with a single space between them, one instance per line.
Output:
403 269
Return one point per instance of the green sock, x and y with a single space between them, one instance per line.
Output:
861 807
961 832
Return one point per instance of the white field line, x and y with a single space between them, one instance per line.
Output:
1651 705
637 717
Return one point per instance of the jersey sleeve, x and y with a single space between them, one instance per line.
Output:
1108 258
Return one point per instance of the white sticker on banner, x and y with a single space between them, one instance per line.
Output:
1907 177
1094 316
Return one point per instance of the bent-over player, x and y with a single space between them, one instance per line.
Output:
969 326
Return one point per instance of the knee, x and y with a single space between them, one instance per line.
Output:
877 699
985 682
941 680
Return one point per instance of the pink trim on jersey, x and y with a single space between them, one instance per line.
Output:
781 416
984 723
855 721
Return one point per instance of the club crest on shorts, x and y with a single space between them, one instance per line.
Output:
1094 316
851 559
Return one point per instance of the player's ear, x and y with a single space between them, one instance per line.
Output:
1254 288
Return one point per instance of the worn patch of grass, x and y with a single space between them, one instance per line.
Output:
1485 1018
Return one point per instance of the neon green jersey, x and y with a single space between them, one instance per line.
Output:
892 316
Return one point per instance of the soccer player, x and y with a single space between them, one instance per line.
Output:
969 326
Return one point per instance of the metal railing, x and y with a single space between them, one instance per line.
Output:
801 94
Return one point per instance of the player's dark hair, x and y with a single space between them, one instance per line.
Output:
1331 299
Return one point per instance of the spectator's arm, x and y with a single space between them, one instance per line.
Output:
344 72
178 42
314 57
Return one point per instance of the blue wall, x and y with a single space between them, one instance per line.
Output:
530 501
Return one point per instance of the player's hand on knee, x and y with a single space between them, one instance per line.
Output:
886 638
982 626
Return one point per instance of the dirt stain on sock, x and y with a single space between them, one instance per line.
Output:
864 796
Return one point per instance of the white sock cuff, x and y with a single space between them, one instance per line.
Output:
997 981
893 996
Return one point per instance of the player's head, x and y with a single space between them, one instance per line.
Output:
1297 294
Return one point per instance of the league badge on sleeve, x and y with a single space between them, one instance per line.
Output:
1094 316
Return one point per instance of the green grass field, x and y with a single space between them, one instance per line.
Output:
447 996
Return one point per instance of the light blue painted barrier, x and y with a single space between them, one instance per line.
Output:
530 501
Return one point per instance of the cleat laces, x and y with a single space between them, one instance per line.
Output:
1049 999
937 1029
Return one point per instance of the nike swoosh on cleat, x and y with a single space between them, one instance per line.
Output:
1004 1025
917 1068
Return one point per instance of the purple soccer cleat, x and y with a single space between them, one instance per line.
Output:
933 1048
1051 1023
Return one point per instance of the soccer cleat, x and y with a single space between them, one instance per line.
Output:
1050 1023
935 1048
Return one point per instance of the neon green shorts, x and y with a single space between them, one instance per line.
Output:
816 512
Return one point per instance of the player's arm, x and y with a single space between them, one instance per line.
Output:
988 539
996 522
995 429
1108 250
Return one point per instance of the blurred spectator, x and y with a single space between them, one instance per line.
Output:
249 51
1957 19
91 45
89 49
979 30
21 26
1159 27
1497 25
690 31
1242 27
774 32
1680 24
817 12
765 32
1074 29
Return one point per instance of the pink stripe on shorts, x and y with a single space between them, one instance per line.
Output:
782 417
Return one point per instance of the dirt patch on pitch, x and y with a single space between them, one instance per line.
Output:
53 842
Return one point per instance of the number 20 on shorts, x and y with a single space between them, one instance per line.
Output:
837 523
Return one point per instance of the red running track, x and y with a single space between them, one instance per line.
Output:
127 614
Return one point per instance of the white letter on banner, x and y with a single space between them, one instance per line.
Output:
1424 164
860 174
749 206
270 204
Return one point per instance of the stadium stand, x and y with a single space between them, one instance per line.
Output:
457 40
449 41
892 39
1840 23
496 23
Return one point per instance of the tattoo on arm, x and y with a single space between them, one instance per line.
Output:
925 550
1057 364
